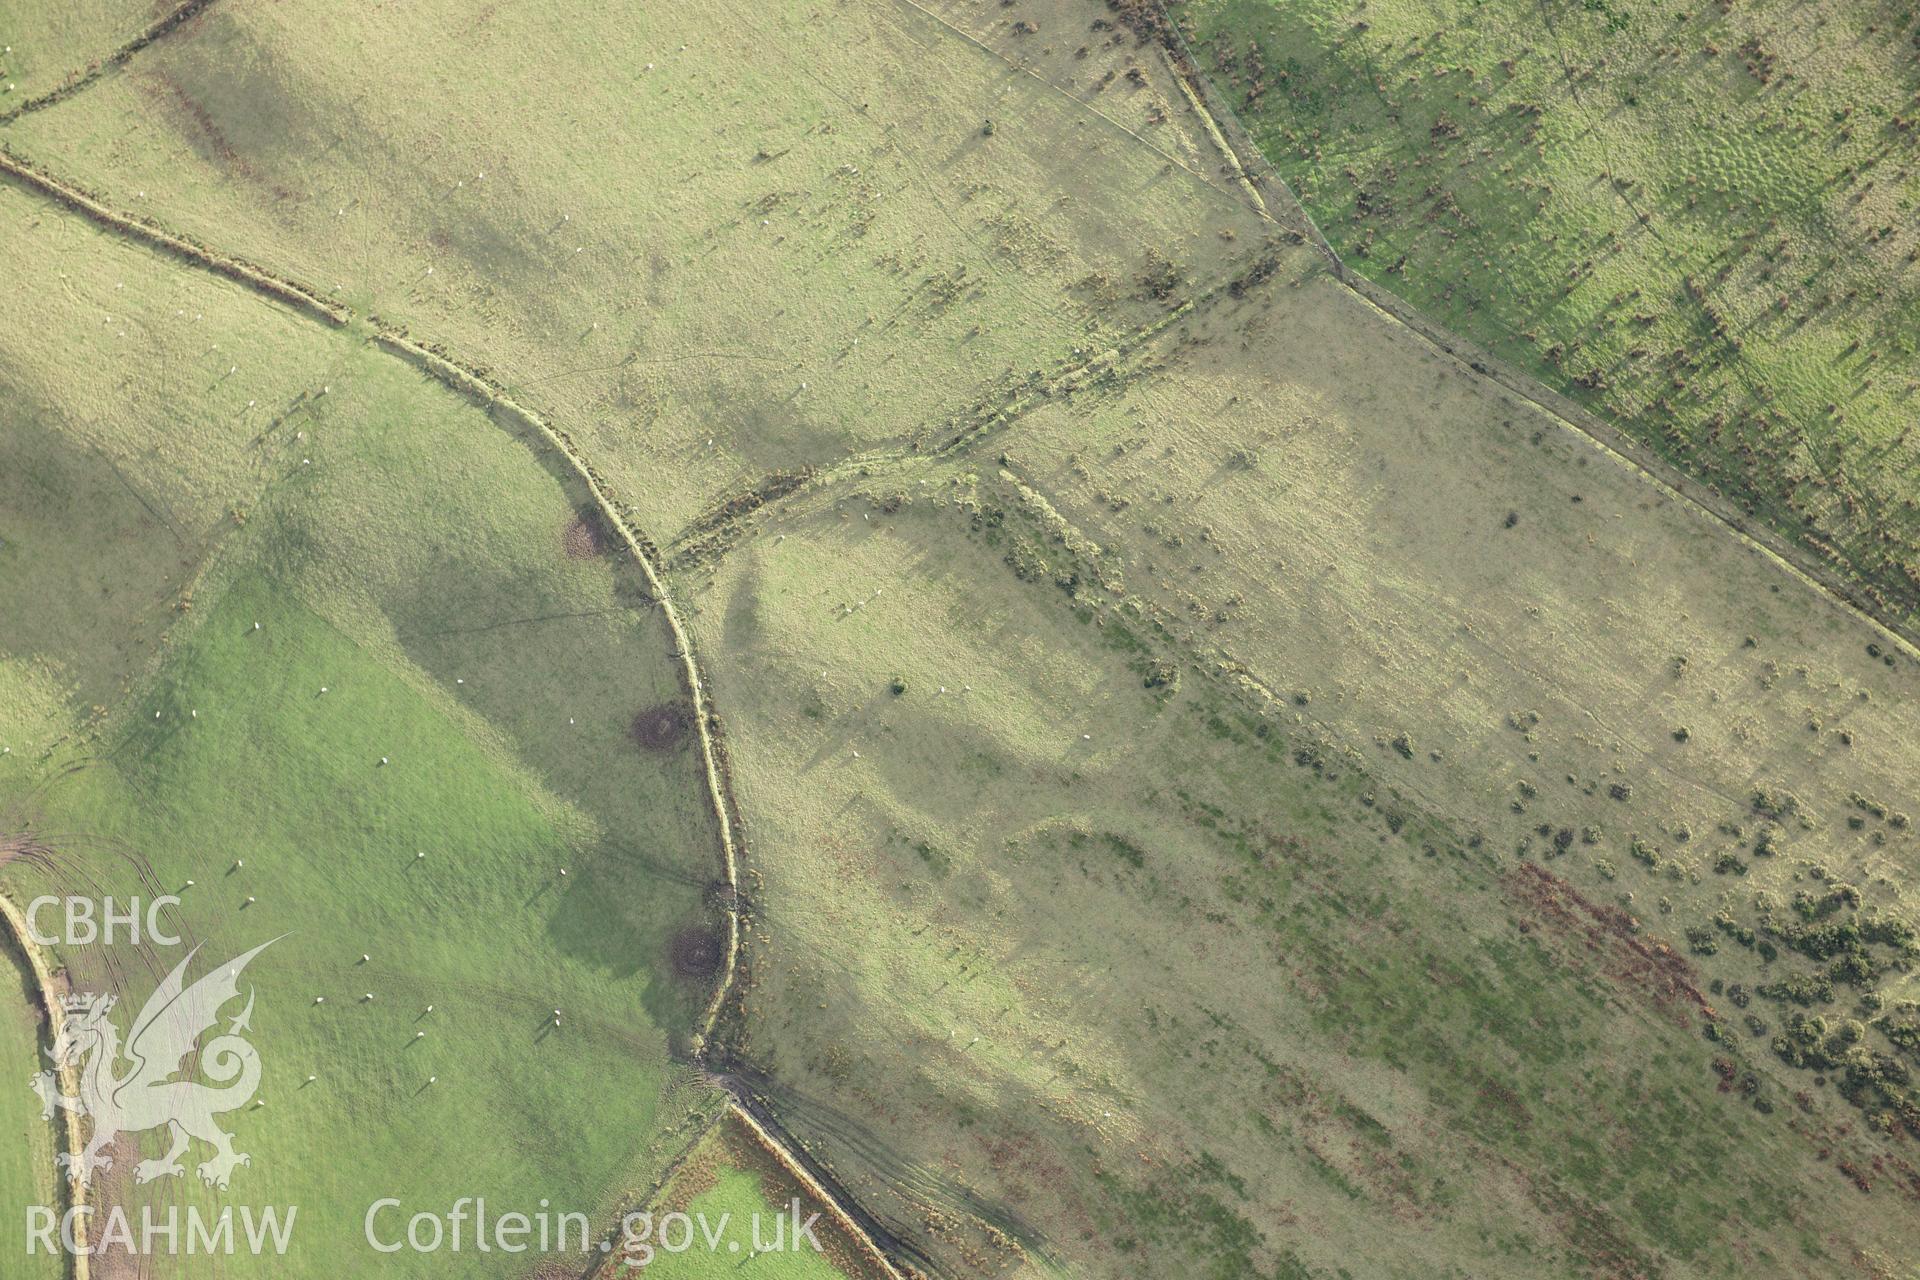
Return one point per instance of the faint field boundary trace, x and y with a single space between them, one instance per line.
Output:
443 367
1150 19
99 68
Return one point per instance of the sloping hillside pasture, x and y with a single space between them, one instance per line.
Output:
1055 966
402 556
1515 628
1622 710
1233 814
1697 219
1086 53
146 408
713 243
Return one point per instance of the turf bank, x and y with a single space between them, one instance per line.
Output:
85 1231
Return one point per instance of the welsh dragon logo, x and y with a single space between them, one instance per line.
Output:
146 1095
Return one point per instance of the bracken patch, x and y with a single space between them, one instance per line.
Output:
584 538
1613 936
663 727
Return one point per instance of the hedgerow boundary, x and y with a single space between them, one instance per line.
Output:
1150 21
41 977
436 362
100 67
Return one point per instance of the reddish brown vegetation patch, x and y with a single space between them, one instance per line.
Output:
202 131
585 537
1612 937
1500 1098
663 727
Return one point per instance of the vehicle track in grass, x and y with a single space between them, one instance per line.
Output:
464 379
41 976
42 850
766 1100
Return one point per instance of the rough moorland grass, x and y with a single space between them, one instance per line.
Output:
1182 996
712 244
1142 981
406 555
1524 634
1696 219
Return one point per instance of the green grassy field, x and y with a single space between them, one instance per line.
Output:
733 1199
168 430
661 222
403 554
728 1210
1224 791
26 1156
1699 221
